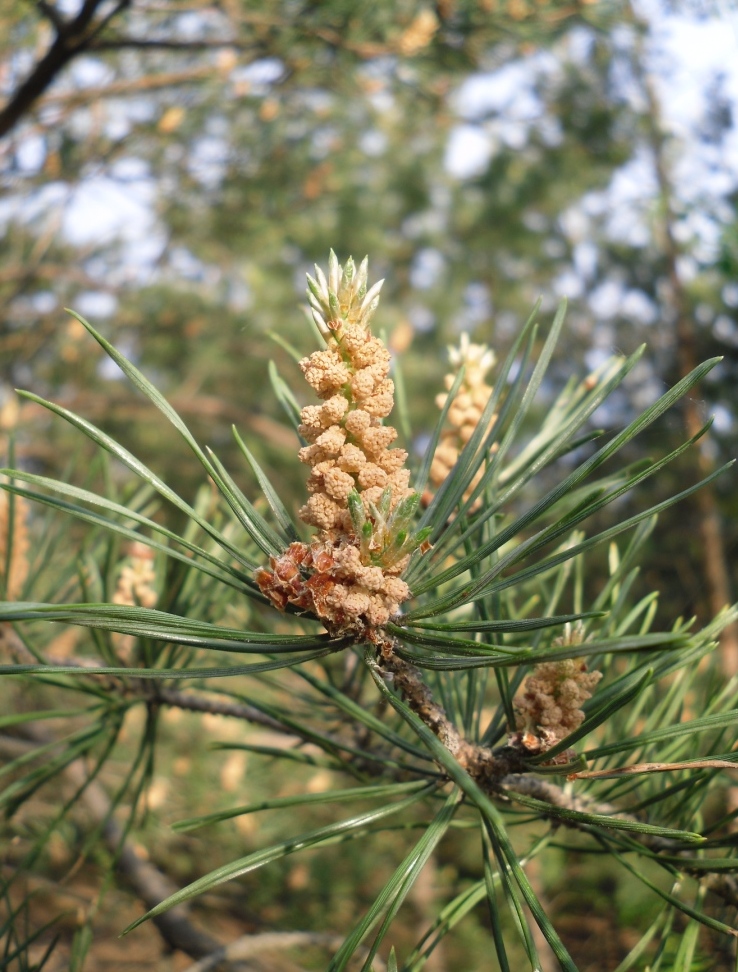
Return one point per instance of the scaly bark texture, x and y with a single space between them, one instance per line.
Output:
360 501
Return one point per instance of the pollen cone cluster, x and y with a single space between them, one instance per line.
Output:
466 409
137 579
550 706
360 501
136 585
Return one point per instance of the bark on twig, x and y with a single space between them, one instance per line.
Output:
195 702
486 766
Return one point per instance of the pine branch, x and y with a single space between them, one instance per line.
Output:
144 878
72 38
486 766
249 946
193 702
153 693
495 771
145 43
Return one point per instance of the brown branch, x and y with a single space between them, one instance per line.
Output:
193 702
144 878
150 884
150 82
725 886
153 886
72 38
151 692
142 43
249 946
51 13
486 766
541 789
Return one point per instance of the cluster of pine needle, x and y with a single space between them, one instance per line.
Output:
457 668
